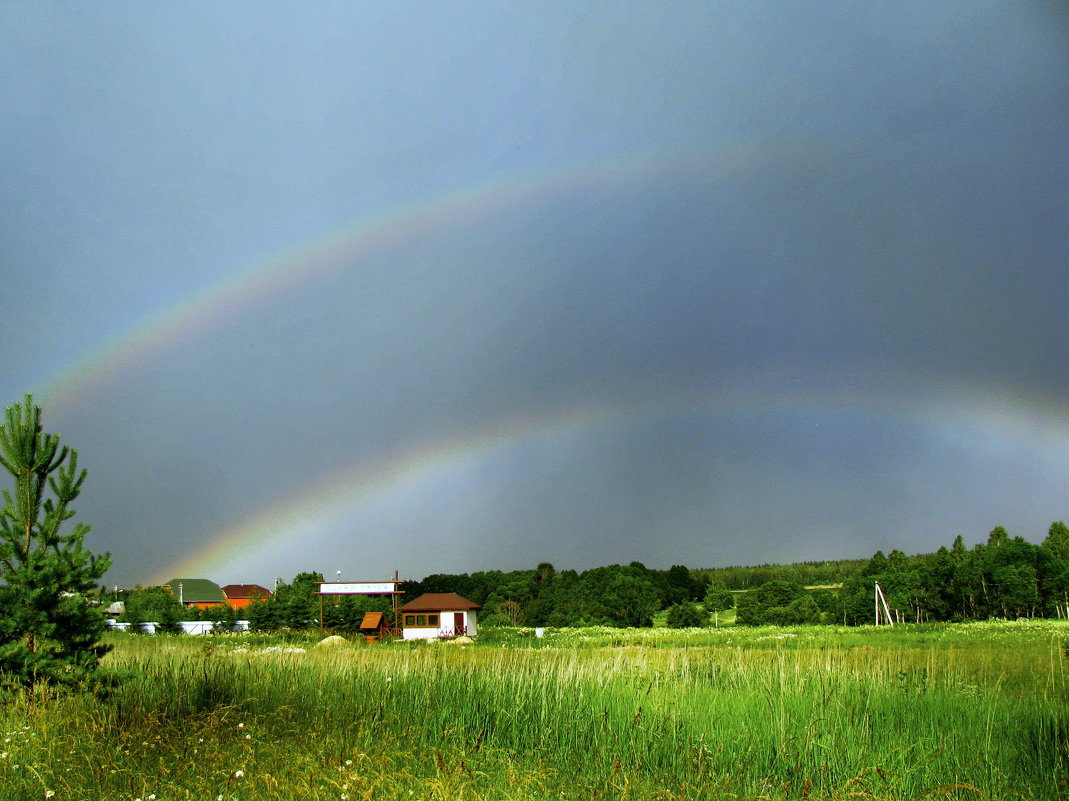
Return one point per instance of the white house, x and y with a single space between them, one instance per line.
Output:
438 614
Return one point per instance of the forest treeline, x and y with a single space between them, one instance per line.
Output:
1004 577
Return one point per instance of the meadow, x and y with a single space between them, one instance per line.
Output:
973 711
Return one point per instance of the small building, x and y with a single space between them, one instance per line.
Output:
435 615
239 596
197 592
374 626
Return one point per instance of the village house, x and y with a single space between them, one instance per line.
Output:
238 596
436 615
196 592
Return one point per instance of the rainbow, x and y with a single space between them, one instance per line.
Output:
303 513
257 284
956 417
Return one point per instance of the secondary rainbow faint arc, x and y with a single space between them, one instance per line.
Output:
372 235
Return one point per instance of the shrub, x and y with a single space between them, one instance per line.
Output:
687 615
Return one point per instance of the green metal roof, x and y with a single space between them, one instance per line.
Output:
195 590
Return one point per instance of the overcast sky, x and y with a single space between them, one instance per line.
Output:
446 287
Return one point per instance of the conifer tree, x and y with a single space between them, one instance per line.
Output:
49 634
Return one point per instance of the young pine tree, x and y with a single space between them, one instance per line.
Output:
48 631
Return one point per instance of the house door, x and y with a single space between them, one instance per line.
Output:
458 624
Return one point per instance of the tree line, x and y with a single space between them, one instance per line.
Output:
1004 577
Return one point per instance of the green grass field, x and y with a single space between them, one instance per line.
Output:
973 711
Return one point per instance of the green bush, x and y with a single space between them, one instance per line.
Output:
687 615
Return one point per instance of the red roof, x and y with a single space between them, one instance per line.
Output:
234 591
439 602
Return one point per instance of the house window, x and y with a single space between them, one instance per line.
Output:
421 621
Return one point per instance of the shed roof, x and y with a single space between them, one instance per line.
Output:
234 591
372 620
196 590
439 602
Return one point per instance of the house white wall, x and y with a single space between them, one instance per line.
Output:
445 626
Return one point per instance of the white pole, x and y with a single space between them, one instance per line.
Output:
887 611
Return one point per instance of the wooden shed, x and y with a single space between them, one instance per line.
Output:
374 626
435 615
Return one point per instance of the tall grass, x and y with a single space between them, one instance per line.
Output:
943 712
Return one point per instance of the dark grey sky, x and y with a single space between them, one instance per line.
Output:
449 287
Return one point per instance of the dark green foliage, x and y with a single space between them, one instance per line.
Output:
49 631
629 600
1006 577
805 573
679 585
223 617
293 606
1057 540
687 615
777 602
156 605
717 597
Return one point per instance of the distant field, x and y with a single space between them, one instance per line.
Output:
972 711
